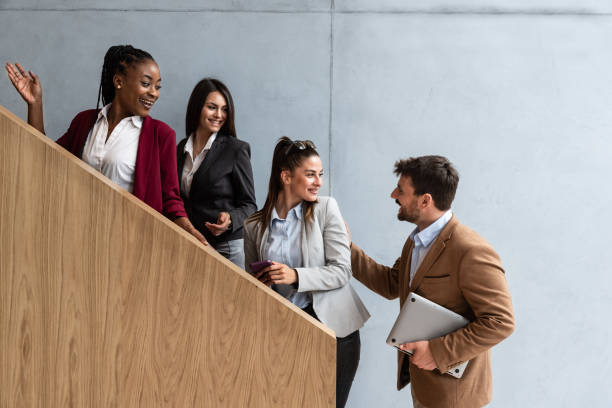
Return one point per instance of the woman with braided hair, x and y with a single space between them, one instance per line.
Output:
121 140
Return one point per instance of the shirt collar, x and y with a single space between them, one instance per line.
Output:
136 120
428 235
189 145
295 212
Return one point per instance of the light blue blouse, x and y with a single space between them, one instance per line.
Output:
284 245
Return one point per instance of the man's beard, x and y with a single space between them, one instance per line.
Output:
404 215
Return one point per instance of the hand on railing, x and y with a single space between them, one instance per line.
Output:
29 87
185 224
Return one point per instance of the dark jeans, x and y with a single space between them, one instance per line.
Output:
348 350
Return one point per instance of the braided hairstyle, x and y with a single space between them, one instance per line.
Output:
116 60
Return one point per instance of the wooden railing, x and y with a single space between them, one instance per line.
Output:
106 303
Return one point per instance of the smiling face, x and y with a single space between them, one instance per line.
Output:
408 201
137 90
303 182
214 113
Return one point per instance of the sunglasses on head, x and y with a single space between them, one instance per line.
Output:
300 145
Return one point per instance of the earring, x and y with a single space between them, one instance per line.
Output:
118 86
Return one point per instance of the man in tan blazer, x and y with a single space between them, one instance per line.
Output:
449 264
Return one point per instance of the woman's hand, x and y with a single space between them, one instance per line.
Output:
30 90
222 225
278 274
28 85
185 224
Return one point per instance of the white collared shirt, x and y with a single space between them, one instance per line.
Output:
115 157
192 165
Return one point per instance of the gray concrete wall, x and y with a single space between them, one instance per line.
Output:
516 93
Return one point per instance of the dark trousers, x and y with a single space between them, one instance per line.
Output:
348 350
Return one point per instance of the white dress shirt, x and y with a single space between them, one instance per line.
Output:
192 165
115 157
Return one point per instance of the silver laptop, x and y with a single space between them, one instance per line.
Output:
422 319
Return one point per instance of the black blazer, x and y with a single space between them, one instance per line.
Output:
223 182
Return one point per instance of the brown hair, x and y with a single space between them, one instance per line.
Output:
434 175
288 155
198 98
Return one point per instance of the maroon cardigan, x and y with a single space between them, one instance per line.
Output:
155 177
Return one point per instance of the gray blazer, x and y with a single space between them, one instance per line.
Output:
326 273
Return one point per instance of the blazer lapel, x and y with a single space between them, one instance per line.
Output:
405 283
304 244
211 156
434 253
143 157
180 161
264 239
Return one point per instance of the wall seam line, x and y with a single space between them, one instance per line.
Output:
150 10
331 94
433 12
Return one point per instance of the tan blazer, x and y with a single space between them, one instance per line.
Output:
463 273
326 271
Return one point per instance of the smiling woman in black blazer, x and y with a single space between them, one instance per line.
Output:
214 169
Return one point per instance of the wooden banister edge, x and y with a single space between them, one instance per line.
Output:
184 234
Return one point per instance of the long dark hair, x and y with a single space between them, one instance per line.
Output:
288 155
116 60
196 102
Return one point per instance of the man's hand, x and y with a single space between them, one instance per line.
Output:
422 356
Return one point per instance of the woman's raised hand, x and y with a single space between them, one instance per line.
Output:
26 83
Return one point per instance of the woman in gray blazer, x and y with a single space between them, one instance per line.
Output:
304 237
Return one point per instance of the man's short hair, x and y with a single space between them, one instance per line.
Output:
431 174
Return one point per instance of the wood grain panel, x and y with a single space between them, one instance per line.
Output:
105 303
